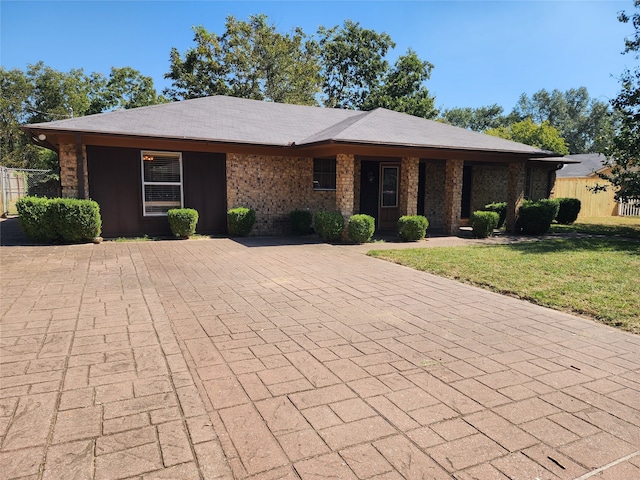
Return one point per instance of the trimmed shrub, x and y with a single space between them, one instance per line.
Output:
183 221
483 223
301 221
569 210
412 228
76 220
360 228
59 219
500 208
240 220
534 218
36 219
329 225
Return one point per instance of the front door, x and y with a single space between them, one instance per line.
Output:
389 192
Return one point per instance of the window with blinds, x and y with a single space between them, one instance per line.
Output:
161 182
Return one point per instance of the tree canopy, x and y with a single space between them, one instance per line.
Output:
584 123
339 67
43 94
251 59
543 136
623 153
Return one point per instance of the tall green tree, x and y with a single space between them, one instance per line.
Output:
251 59
542 136
353 64
124 89
403 88
583 122
476 119
623 154
43 94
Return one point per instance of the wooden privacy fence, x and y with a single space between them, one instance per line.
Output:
600 204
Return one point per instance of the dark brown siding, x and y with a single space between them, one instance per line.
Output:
115 183
205 189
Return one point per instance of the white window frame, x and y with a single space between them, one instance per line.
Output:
144 153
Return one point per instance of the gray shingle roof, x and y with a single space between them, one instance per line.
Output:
589 164
235 120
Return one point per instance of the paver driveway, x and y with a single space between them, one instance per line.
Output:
216 359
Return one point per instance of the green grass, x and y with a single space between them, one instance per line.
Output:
595 277
610 226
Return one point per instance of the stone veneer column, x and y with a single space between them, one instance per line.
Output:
409 173
515 192
452 195
345 173
68 160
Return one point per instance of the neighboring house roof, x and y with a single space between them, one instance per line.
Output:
251 122
590 164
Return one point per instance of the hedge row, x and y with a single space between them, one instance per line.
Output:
59 219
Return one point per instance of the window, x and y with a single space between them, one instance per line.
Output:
528 183
389 186
161 182
324 173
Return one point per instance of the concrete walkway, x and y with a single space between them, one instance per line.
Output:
217 359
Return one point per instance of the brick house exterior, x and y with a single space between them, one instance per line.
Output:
236 152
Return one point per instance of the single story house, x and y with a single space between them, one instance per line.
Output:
575 180
220 152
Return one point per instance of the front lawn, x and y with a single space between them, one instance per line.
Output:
611 226
595 277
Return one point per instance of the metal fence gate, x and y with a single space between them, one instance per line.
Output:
20 182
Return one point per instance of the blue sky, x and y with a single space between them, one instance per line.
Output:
484 52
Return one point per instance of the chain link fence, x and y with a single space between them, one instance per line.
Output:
20 182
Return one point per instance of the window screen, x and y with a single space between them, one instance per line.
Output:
161 182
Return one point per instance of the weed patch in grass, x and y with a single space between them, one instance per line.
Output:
595 277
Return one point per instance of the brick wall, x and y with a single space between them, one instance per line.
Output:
434 193
274 186
540 181
452 195
345 173
489 184
409 173
69 171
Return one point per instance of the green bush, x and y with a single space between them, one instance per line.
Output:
59 219
76 220
534 218
412 228
329 225
569 210
240 220
35 219
301 221
360 228
500 208
183 221
483 223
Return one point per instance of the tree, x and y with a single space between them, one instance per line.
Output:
353 64
43 94
403 90
623 153
477 119
542 136
249 60
584 123
126 88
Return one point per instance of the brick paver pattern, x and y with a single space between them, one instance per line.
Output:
218 359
